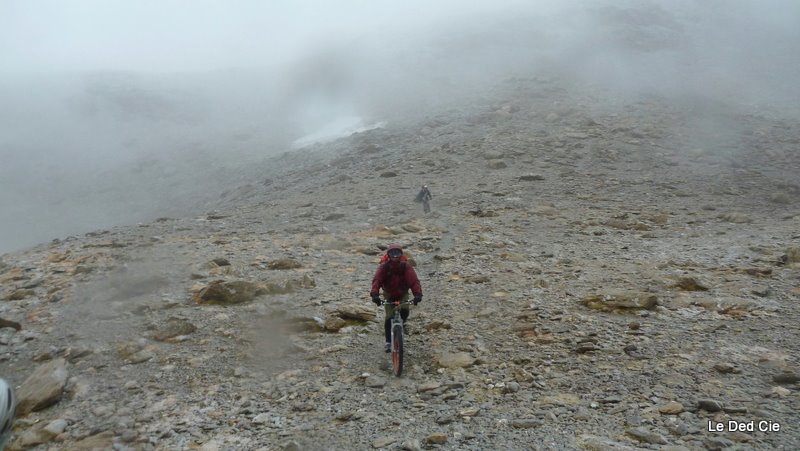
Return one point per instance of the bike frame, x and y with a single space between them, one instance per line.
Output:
397 338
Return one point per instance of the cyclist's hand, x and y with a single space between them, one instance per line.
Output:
376 299
417 299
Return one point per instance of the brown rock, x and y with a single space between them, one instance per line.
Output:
18 295
356 311
526 423
621 301
43 387
455 360
334 324
173 328
671 408
691 284
437 325
482 278
8 323
284 263
103 440
224 293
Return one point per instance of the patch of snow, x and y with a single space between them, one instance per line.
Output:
338 128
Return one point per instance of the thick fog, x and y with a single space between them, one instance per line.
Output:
115 112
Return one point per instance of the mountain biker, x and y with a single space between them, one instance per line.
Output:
7 410
395 278
425 197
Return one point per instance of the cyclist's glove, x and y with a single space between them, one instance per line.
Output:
417 299
376 299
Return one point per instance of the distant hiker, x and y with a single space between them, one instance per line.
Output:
424 196
395 278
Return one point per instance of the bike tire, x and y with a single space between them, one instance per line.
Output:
397 350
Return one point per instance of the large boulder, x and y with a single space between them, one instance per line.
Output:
222 292
455 360
356 311
43 387
621 301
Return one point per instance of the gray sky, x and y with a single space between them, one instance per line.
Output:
182 35
733 38
741 39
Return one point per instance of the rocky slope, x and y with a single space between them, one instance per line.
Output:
599 273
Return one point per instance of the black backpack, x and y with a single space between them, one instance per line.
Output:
400 270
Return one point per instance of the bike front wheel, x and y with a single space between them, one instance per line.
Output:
397 350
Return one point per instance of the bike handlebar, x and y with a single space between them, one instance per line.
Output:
385 302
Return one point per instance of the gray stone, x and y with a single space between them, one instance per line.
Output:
709 405
647 436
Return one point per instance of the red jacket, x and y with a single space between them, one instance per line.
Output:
395 281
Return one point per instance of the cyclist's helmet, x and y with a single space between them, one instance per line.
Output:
394 250
8 407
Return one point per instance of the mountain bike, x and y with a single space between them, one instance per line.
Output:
397 339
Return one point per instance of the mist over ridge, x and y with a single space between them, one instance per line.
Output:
105 130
